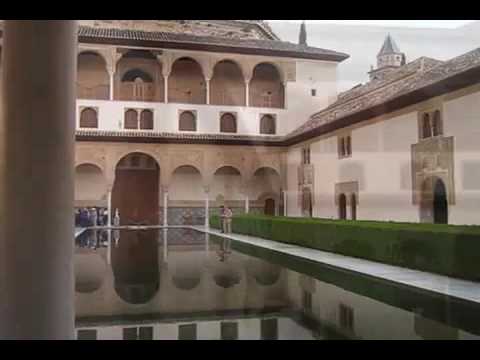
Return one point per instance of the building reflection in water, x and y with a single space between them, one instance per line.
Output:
182 284
135 265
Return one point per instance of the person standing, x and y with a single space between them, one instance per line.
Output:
228 214
222 219
94 217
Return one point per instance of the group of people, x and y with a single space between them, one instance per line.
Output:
226 219
95 216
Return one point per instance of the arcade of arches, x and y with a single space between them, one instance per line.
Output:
141 75
157 184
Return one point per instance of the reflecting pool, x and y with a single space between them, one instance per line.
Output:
184 284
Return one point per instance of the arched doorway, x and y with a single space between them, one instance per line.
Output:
342 207
136 189
440 205
434 203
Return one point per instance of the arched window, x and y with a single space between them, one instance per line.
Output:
342 207
437 123
93 81
146 120
426 126
266 87
227 86
131 119
353 205
186 83
228 123
187 121
137 85
88 118
267 125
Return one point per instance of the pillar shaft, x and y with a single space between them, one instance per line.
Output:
207 83
112 79
207 209
284 203
165 208
247 92
165 89
247 205
37 128
109 209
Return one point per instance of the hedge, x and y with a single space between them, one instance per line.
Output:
443 249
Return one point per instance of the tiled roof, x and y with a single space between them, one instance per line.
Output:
177 137
421 64
254 46
385 91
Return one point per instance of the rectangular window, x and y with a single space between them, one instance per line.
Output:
307 301
89 334
229 330
145 333
269 329
314 92
187 332
130 333
344 146
346 317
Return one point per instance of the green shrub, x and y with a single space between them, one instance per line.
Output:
444 249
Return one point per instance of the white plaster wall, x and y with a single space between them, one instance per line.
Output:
293 159
462 120
380 163
300 104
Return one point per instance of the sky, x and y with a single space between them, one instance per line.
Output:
445 24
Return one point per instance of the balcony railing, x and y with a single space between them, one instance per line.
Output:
139 92
99 92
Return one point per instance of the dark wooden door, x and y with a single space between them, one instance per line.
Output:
269 207
135 194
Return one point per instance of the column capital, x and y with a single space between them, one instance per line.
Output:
206 189
164 188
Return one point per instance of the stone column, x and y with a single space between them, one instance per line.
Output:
247 205
207 244
207 207
165 245
207 84
37 130
247 92
284 202
111 73
109 207
109 247
165 89
165 206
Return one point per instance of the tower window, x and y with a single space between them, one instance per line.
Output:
306 155
344 146
431 124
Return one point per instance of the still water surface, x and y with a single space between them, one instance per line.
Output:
187 285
